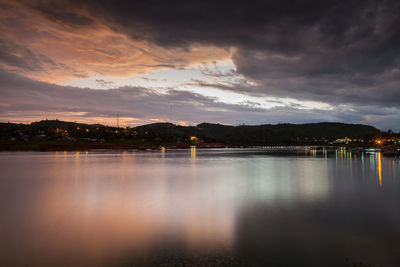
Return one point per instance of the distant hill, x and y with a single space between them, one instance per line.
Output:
267 134
61 124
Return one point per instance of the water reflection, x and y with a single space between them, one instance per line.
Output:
193 153
379 169
102 208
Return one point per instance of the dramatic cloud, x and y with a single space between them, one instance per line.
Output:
52 41
341 54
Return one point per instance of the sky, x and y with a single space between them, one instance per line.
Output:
187 62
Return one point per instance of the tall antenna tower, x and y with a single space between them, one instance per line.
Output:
117 120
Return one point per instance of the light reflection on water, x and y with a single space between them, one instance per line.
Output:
100 208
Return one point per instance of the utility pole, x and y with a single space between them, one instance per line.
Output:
117 120
170 113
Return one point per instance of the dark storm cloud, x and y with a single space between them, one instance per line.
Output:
331 51
252 24
60 11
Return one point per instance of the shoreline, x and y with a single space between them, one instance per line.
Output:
47 146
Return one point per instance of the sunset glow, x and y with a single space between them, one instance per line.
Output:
89 61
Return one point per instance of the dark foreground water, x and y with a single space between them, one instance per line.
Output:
199 208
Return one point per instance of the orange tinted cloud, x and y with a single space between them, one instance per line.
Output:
50 50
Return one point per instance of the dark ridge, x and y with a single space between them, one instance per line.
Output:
322 133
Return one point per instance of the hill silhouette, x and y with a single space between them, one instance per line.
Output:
266 134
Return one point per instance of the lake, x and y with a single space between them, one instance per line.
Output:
234 207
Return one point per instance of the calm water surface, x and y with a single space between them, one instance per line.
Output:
199 207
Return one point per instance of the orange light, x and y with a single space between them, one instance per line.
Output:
194 138
380 169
